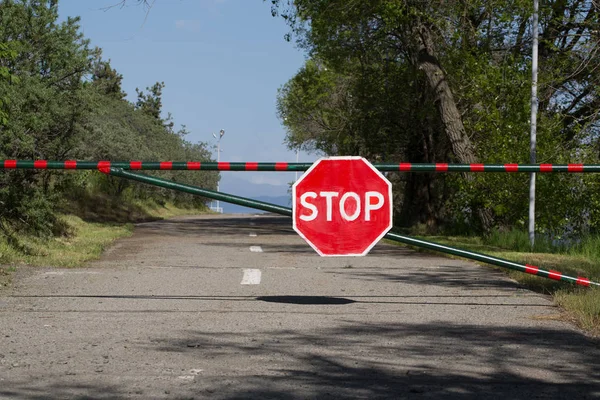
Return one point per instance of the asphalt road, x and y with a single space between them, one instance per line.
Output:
241 308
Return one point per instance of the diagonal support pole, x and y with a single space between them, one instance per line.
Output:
260 205
211 194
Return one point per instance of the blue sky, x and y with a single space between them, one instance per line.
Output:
222 62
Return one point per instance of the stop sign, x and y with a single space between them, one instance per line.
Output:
342 206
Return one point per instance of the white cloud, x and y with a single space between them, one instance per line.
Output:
188 25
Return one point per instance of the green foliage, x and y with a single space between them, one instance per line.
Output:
107 80
60 100
118 130
518 240
150 103
44 106
7 54
366 90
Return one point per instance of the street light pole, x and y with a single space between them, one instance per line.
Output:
534 111
221 134
297 153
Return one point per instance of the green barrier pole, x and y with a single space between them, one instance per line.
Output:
290 167
530 269
155 165
211 194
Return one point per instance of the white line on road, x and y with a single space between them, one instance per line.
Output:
60 273
251 277
253 235
256 249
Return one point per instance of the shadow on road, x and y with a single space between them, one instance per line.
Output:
443 276
448 362
415 361
473 300
32 390
306 300
263 225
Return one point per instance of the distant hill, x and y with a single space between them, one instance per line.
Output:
285 201
242 187
275 194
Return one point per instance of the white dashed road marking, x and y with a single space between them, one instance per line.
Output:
251 277
253 235
256 249
60 273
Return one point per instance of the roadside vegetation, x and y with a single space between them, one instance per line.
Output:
581 305
88 228
429 81
60 99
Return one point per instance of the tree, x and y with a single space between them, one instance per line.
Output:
341 29
45 105
107 80
151 103
60 100
381 38
7 54
457 73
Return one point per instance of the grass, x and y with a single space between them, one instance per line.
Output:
582 258
516 240
86 242
583 306
91 228
98 207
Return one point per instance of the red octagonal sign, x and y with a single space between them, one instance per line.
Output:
342 206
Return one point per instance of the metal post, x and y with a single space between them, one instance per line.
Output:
534 110
221 134
218 160
297 154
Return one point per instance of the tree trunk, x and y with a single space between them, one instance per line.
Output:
462 148
420 202
417 207
444 98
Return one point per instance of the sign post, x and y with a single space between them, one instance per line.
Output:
342 206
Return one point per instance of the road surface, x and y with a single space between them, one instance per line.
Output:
226 307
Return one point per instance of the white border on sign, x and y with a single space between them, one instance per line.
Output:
389 185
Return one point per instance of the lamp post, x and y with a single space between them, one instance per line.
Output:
534 110
221 134
297 157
